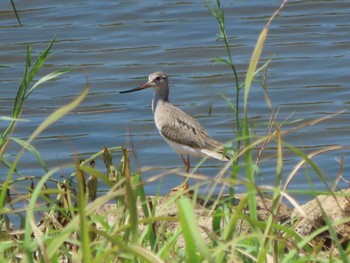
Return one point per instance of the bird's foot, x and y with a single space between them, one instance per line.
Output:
182 188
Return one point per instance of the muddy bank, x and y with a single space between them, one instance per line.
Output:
304 220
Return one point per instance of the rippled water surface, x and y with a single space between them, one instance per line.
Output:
116 44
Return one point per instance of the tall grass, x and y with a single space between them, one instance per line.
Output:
244 134
24 90
70 222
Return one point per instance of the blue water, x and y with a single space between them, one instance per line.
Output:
116 44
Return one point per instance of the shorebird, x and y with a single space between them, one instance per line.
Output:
182 132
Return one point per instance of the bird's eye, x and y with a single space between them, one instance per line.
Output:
158 78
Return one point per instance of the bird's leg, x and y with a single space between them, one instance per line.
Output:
187 169
184 186
186 163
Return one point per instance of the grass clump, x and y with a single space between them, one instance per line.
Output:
66 221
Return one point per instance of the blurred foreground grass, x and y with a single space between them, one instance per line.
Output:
67 221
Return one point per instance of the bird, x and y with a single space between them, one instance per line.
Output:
184 134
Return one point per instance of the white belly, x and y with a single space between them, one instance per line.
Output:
184 149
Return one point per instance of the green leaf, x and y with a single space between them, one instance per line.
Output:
46 78
193 238
33 150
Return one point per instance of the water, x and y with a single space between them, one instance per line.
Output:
116 44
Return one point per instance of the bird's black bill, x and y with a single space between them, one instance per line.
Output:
132 90
145 86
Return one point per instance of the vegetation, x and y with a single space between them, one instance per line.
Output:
62 220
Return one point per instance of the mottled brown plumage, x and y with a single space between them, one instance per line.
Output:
181 128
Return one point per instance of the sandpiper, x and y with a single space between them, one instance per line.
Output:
181 131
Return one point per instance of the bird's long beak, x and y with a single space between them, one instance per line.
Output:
144 86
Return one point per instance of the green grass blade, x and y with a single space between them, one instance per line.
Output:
46 78
56 115
54 245
218 12
7 118
83 222
191 233
334 236
229 231
22 94
145 254
40 61
140 192
23 86
19 99
248 81
29 244
8 164
250 176
253 64
33 150
101 176
130 196
28 76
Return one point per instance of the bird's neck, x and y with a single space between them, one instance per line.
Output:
157 97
